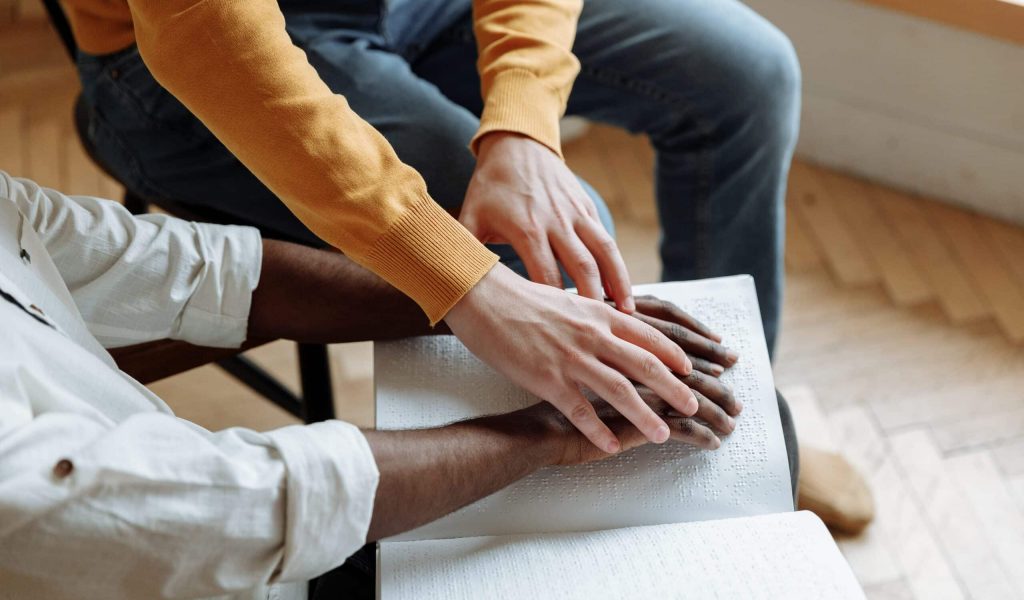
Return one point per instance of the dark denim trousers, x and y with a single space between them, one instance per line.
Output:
715 86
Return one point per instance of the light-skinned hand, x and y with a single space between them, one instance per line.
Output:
556 344
523 194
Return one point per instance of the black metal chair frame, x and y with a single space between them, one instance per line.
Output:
317 400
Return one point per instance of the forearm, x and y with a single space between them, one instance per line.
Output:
232 63
429 473
314 295
526 65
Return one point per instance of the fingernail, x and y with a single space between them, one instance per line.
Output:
739 405
661 436
630 304
717 337
612 447
717 370
689 365
716 443
732 423
693 403
731 356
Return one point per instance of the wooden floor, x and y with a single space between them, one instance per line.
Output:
902 343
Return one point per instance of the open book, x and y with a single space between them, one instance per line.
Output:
658 521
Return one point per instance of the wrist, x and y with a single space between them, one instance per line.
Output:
508 143
479 299
547 431
496 138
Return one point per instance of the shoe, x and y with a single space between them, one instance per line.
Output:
831 488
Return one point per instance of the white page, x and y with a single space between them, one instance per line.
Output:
786 556
430 381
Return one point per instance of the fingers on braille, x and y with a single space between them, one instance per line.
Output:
678 333
706 366
715 416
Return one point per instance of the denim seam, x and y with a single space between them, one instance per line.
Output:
135 171
130 58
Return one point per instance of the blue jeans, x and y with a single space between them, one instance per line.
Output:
715 86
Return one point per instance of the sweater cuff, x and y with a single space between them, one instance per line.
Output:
518 102
431 258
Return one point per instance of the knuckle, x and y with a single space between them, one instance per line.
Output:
573 357
649 336
552 275
607 245
678 332
586 266
579 411
650 366
621 389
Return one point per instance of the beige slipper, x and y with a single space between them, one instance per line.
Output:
831 488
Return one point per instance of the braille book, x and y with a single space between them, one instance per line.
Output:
660 521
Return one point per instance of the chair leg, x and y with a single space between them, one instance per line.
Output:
261 382
135 204
315 375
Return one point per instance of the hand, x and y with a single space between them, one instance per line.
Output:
709 357
569 447
702 345
522 194
554 343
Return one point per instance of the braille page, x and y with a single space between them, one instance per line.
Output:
430 381
785 556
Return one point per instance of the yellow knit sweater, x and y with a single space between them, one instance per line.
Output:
233 65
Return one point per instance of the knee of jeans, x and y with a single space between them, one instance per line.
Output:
774 89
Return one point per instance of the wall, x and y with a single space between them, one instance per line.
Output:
911 103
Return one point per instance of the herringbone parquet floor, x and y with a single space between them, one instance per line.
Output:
902 342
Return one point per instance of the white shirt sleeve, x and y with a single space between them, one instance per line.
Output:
158 507
142 278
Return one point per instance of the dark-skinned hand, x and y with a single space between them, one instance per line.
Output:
703 430
704 348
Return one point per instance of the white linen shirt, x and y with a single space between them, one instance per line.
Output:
104 493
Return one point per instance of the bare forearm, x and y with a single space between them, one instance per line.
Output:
429 473
312 295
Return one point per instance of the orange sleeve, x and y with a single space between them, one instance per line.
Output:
233 65
526 65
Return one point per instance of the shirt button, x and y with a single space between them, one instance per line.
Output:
115 74
25 256
63 468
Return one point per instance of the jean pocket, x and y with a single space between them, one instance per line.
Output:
127 94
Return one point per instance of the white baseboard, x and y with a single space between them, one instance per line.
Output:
908 102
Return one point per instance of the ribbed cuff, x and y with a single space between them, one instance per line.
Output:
431 258
517 101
